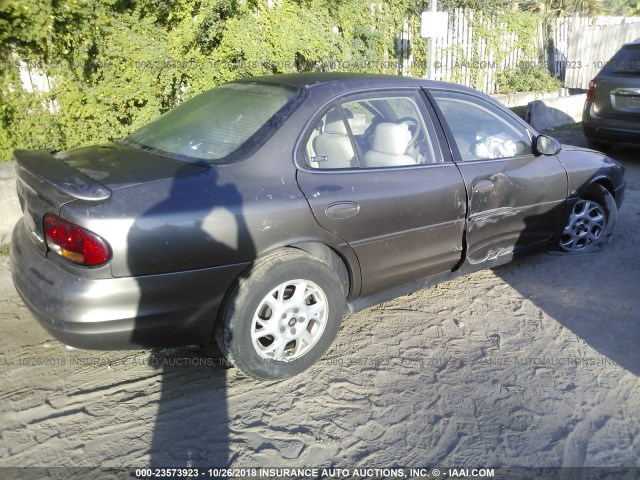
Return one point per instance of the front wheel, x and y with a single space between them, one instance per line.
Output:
591 222
282 316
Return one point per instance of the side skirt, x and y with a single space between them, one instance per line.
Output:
465 269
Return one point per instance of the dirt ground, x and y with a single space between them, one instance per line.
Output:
532 364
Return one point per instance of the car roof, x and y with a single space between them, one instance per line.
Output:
339 82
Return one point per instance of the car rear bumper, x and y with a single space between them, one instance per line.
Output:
119 313
612 130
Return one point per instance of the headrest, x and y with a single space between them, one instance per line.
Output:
391 138
334 124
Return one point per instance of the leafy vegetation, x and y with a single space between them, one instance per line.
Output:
527 80
113 65
622 7
558 8
116 64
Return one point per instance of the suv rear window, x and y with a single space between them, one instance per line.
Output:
219 125
626 61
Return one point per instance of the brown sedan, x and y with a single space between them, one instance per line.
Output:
261 211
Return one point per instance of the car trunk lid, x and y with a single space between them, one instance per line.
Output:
46 180
618 96
118 165
44 184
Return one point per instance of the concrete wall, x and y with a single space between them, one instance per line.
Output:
10 211
524 98
554 112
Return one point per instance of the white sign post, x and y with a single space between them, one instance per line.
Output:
433 25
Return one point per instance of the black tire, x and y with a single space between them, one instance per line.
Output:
596 197
234 328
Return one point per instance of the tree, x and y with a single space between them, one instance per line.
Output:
559 8
622 7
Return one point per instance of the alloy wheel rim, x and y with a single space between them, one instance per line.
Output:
290 320
584 227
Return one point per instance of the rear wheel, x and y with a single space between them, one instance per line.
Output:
590 223
282 316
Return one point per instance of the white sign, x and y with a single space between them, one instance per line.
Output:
434 24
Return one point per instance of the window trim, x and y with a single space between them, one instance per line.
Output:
300 146
445 148
303 138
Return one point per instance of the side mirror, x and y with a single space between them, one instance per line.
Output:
545 145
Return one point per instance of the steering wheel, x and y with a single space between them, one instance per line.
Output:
412 122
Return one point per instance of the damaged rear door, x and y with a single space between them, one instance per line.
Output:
516 199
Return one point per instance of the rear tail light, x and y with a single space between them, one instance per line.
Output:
591 92
75 243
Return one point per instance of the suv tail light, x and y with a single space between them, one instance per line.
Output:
591 92
75 243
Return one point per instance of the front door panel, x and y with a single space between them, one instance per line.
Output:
513 203
516 199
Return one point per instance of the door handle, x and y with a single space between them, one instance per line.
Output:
340 210
482 186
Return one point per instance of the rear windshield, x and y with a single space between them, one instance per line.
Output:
625 61
219 125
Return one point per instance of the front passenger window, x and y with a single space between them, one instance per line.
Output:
480 129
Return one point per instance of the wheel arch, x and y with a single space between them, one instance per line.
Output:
594 188
607 184
332 259
317 250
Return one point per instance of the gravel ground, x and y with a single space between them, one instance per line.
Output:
532 364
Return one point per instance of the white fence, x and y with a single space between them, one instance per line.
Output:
590 49
565 27
575 44
465 56
579 45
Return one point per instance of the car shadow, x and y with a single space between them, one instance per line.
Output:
191 426
585 294
630 157
584 310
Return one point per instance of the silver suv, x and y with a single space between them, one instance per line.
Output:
612 111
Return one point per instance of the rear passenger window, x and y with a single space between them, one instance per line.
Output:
373 131
329 145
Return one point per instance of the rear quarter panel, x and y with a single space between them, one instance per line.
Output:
227 215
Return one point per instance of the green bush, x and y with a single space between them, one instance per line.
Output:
116 64
527 80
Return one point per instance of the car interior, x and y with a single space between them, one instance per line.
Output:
386 132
